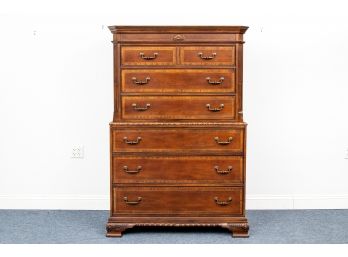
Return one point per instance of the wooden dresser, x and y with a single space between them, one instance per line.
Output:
178 140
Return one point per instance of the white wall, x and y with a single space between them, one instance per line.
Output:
56 93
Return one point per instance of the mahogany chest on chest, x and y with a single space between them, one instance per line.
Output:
177 139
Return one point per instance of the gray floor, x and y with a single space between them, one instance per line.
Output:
281 226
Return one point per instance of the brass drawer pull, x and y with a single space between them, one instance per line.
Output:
125 169
215 109
223 172
143 56
141 82
212 56
141 109
211 82
229 140
132 202
132 142
223 203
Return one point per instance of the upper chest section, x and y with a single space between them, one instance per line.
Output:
172 46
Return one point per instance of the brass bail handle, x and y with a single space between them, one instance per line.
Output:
132 142
223 172
206 57
144 57
132 202
138 169
141 109
223 203
217 140
215 109
141 82
215 82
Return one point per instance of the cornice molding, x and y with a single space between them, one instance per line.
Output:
177 29
179 124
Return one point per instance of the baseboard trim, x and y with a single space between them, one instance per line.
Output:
56 202
259 202
101 202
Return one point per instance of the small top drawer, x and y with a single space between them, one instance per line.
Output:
210 55
148 55
180 37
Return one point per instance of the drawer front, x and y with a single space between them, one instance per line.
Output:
148 55
165 139
224 55
178 169
178 107
178 200
178 80
179 38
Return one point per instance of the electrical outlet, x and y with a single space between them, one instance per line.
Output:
78 152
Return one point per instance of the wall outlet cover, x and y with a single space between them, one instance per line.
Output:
78 152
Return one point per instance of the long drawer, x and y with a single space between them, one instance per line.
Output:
178 200
161 140
178 80
178 107
178 169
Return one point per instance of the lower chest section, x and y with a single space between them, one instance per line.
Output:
183 169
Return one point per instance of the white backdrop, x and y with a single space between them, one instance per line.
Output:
56 93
